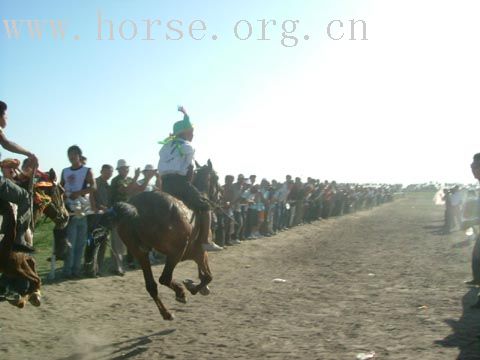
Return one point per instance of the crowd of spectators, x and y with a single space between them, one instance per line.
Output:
247 209
252 210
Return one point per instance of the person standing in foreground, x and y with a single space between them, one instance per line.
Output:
78 183
176 169
11 192
476 249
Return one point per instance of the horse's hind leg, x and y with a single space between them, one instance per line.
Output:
166 279
151 285
25 268
35 297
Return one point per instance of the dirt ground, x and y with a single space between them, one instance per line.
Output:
383 280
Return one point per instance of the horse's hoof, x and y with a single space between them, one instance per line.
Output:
190 285
21 304
168 316
205 291
18 303
181 299
35 299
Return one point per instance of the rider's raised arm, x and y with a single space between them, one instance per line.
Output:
183 111
15 148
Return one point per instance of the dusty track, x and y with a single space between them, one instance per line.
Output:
380 280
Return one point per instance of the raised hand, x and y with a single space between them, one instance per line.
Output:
137 172
182 109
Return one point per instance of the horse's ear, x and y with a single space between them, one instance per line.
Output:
52 175
209 163
197 165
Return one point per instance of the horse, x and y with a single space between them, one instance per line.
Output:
48 201
156 220
205 179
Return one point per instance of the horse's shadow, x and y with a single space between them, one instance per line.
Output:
466 330
119 350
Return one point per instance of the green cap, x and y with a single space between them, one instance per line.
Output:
182 126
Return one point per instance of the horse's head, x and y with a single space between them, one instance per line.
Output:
206 180
49 200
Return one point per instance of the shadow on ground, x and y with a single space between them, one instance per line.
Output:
121 350
466 330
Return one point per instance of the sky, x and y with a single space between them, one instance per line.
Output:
398 107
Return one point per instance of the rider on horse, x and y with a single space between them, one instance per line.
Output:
176 168
11 192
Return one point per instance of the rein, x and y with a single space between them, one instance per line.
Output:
30 190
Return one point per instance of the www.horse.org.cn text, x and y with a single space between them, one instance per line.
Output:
288 33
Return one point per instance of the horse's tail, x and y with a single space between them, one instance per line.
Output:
123 211
120 212
9 227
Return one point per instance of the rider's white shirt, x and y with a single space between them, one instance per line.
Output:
176 157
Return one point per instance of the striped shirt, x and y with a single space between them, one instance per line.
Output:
75 180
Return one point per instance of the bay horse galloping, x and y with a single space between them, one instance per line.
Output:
156 220
19 266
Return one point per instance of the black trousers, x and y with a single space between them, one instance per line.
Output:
179 187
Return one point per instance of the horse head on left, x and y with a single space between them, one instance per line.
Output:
48 199
205 179
19 268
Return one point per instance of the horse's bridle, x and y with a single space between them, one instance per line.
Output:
50 204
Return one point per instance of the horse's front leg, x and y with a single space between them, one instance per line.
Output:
166 279
150 283
204 274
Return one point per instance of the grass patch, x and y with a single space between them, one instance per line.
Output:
43 242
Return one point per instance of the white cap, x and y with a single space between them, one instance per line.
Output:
122 163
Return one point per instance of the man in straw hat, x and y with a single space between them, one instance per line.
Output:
151 180
122 187
176 168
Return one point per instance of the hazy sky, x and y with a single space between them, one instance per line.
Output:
398 107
